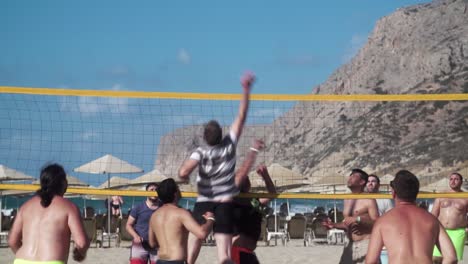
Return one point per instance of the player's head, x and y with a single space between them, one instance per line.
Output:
212 133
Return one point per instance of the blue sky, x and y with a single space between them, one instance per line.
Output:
170 46
186 46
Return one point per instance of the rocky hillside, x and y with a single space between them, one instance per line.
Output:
417 49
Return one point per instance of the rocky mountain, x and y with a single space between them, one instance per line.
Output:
417 49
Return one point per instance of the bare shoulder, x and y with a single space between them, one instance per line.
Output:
65 204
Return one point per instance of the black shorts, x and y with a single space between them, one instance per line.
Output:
223 213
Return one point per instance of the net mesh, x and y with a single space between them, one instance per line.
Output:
124 141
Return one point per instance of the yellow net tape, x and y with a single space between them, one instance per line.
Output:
219 96
92 191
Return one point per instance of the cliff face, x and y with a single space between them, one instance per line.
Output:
418 49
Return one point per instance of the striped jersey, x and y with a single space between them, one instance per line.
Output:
216 169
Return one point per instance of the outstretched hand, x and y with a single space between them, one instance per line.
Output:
328 223
247 80
208 215
259 145
262 171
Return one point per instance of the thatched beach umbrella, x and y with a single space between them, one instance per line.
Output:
10 175
108 164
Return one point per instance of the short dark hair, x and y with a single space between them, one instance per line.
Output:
151 184
458 174
167 190
375 176
213 133
405 185
53 181
362 174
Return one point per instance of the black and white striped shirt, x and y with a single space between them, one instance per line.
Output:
216 170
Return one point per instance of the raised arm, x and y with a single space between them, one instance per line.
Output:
238 124
78 233
375 245
200 231
242 172
15 236
263 172
445 246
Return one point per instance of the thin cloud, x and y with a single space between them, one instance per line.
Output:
116 71
355 44
267 113
93 105
87 135
183 57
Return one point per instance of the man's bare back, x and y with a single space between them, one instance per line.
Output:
407 231
413 240
167 223
170 225
43 234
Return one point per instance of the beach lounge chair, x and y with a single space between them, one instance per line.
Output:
319 233
275 232
297 227
91 231
124 235
113 233
89 212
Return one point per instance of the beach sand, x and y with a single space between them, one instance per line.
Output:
293 253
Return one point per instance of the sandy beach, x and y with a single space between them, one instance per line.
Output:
293 253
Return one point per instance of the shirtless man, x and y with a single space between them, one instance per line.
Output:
170 225
42 229
452 214
360 215
408 232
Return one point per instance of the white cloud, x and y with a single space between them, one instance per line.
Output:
355 44
268 113
183 56
87 135
93 105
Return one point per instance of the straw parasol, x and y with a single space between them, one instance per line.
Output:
152 176
71 180
7 175
282 177
114 182
108 164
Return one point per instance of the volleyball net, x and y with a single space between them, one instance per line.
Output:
116 142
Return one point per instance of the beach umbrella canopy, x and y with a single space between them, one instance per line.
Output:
108 164
152 176
282 177
114 182
9 174
72 182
